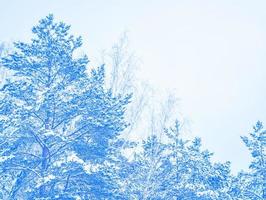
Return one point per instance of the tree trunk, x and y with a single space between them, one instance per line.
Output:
44 166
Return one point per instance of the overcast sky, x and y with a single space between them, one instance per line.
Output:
211 52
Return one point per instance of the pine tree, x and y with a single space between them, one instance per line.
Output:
193 175
56 120
176 169
60 136
255 179
148 173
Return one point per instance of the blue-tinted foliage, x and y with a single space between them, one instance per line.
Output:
60 136
56 120
255 180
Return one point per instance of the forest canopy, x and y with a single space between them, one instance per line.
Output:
62 133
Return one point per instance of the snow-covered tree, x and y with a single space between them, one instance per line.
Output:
61 132
193 174
56 121
148 173
254 181
173 168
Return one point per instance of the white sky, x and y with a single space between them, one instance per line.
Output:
211 52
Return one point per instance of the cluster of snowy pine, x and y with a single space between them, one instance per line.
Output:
60 131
